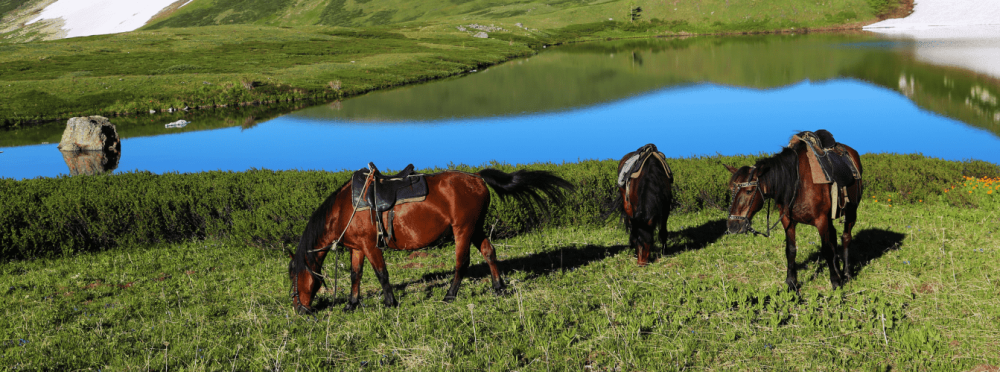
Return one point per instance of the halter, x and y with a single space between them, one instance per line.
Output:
333 246
755 183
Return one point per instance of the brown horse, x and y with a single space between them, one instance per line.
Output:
644 198
787 179
456 204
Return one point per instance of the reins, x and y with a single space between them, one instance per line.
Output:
755 182
333 246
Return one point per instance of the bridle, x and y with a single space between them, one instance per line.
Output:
370 180
755 183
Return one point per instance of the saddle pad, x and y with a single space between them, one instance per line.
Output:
633 166
828 165
388 192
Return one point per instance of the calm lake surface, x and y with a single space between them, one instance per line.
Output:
691 97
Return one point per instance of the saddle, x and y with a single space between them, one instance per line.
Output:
384 193
830 163
636 160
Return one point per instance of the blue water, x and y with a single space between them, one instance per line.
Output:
696 120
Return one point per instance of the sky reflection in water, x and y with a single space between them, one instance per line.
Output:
697 120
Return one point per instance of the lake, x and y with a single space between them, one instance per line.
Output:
693 96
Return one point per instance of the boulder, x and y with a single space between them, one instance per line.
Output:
90 162
92 133
481 35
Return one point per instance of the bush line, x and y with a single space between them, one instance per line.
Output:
49 217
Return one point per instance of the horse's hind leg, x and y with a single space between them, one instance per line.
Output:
463 239
642 239
382 273
828 234
489 254
850 216
357 268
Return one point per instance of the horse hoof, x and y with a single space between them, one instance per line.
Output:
302 310
449 298
392 303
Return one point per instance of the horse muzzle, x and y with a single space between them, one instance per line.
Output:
737 225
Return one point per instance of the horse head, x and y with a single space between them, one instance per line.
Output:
747 198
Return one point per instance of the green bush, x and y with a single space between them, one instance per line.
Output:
52 216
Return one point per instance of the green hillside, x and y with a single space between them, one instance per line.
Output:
718 15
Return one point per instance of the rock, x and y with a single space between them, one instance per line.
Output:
92 133
177 124
152 111
460 28
519 25
481 35
90 162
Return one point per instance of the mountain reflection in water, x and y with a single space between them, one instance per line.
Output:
693 96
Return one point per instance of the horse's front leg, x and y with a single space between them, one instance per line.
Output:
374 256
792 276
357 267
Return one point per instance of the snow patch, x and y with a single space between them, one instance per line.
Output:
961 33
99 17
932 14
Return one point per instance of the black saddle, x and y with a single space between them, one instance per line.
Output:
384 191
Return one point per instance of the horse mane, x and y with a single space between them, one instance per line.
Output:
315 229
781 173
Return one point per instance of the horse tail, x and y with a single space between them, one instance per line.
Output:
527 186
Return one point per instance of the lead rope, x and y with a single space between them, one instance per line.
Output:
333 246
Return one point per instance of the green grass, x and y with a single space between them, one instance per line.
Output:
224 66
206 53
922 299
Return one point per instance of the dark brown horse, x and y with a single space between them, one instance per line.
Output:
456 203
644 198
787 178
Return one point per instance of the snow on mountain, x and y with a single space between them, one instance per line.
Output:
933 14
99 17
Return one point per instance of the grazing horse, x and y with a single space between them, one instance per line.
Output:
456 203
789 178
644 198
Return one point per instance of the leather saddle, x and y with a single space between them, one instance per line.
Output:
636 160
835 164
385 192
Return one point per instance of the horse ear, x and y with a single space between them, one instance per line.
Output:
730 168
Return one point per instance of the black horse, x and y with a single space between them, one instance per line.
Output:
644 198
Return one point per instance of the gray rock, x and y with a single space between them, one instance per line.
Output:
481 35
90 162
460 28
92 133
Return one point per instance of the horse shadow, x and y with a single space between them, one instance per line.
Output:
866 246
564 258
572 257
697 237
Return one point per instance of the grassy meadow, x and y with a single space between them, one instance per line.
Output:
923 298
221 53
